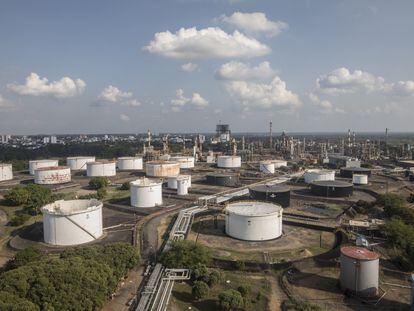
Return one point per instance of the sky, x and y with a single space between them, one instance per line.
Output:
101 66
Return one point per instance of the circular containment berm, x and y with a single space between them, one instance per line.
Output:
52 175
146 192
100 168
6 172
332 188
129 163
223 179
79 163
318 175
162 168
348 172
360 179
279 194
185 162
359 271
72 222
254 221
35 164
229 161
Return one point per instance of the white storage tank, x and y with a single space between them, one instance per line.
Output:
318 175
162 168
165 157
211 159
279 163
35 164
229 161
146 192
185 162
52 175
129 163
6 172
360 179
254 220
359 271
72 222
172 181
182 185
78 163
100 168
267 167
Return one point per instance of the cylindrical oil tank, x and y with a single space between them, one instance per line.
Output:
279 163
72 222
253 220
185 162
223 179
129 163
165 157
182 185
229 161
332 188
359 271
348 172
78 163
146 192
35 164
278 194
172 181
318 175
6 171
52 175
100 168
267 167
162 168
360 179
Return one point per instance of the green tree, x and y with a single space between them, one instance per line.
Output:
186 254
200 290
17 196
231 300
216 277
23 258
98 183
38 197
244 290
101 193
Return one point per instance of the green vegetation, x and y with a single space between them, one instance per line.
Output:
295 305
98 183
200 290
186 254
78 279
125 186
231 300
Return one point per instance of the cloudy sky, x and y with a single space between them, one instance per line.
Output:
102 66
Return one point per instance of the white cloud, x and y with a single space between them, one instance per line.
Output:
114 95
403 88
180 101
36 86
205 43
189 67
241 71
325 105
5 104
124 117
254 23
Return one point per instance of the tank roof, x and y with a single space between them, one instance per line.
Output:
80 157
319 171
42 160
270 188
359 253
129 158
229 156
145 182
5 164
100 162
52 168
70 207
253 208
161 162
331 183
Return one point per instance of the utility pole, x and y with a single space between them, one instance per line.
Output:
270 135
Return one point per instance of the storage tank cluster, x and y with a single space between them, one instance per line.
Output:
52 175
79 163
100 168
223 179
129 163
146 192
279 194
185 162
35 164
254 221
332 188
267 167
6 172
359 271
72 222
172 181
360 179
318 175
348 172
162 168
229 161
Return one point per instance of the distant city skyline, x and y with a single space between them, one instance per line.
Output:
182 65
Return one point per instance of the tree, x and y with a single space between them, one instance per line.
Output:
125 186
23 258
98 183
216 277
244 290
17 196
101 193
200 290
38 197
185 254
231 300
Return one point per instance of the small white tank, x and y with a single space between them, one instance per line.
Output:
100 168
162 168
267 167
78 163
229 161
6 172
182 186
35 164
211 159
165 157
146 192
360 179
129 163
172 181
318 175
52 175
185 162
72 222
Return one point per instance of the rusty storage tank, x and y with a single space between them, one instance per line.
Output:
162 168
359 271
79 163
348 172
35 164
6 172
279 194
332 188
223 179
52 175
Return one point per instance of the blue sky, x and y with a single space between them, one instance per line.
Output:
306 65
